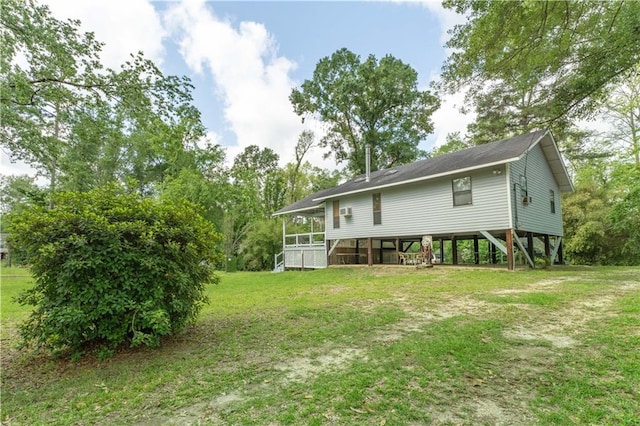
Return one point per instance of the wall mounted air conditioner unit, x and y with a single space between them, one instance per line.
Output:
345 211
526 200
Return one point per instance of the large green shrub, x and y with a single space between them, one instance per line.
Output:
112 268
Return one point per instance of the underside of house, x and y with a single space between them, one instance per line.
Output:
311 251
495 204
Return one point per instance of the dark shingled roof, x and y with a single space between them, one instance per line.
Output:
479 156
305 204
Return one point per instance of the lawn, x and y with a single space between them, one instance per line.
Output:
366 346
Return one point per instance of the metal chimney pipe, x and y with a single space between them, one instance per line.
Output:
367 159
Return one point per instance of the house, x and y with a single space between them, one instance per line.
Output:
505 194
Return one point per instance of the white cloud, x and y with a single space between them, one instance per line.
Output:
448 118
17 168
125 26
251 78
599 124
448 18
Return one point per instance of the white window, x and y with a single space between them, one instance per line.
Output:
462 191
377 209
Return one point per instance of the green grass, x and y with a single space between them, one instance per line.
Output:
359 345
12 282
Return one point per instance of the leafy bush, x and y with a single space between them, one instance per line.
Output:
113 268
262 242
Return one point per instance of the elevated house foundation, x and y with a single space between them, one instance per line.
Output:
494 204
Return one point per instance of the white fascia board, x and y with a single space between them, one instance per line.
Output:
304 209
509 194
419 179
564 167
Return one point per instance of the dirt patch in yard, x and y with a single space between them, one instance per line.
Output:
501 396
556 340
302 368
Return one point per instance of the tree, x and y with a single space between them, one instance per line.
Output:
305 142
110 268
454 143
261 243
601 218
83 125
18 193
624 214
255 171
588 235
256 189
561 56
622 107
375 103
61 66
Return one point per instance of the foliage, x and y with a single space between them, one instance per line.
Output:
454 143
204 185
601 216
555 59
625 213
256 174
44 65
324 179
262 242
375 103
18 193
306 141
622 108
585 220
258 188
113 268
83 125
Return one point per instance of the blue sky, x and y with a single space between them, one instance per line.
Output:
245 57
304 32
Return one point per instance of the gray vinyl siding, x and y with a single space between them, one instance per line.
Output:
426 208
536 216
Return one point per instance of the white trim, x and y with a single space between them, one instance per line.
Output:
419 179
302 209
284 235
510 206
561 161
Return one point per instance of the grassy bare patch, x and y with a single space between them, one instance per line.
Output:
361 346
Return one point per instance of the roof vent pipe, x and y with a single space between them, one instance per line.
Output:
367 160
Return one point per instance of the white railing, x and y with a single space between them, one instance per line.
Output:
279 262
305 257
304 240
